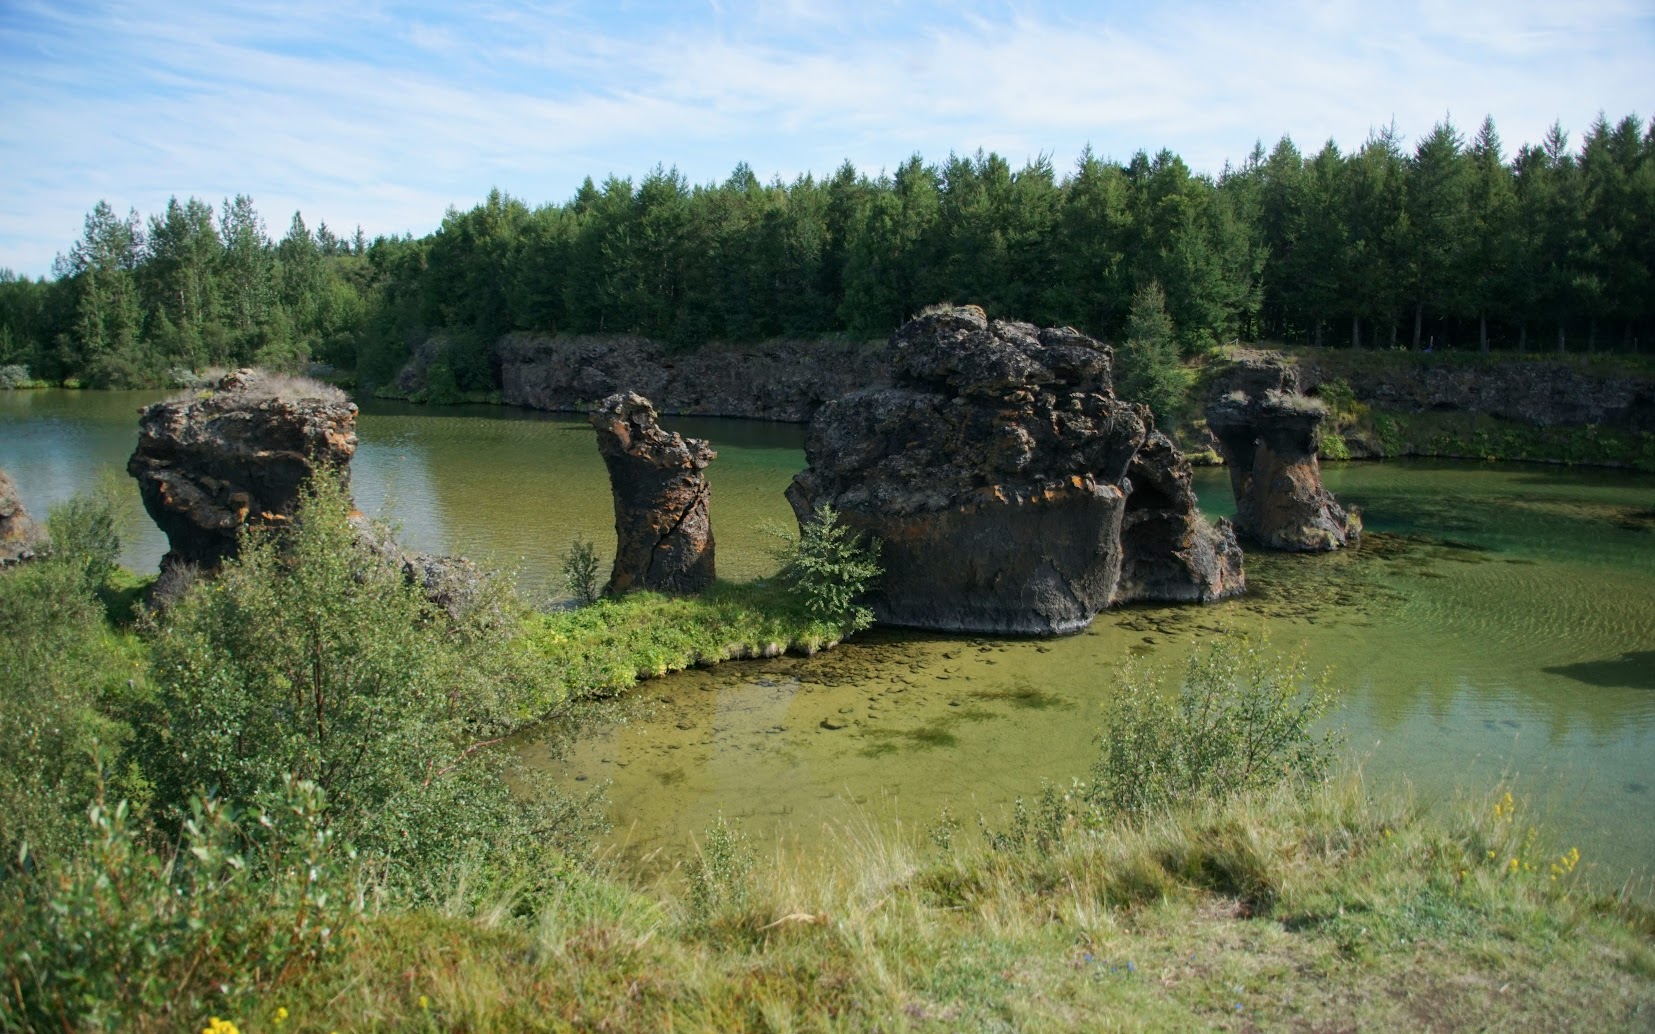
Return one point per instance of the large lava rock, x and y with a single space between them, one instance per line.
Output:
664 535
1269 435
19 535
994 472
236 454
1170 552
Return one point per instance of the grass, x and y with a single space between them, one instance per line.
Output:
604 648
1342 909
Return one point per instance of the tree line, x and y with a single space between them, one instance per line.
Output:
1449 244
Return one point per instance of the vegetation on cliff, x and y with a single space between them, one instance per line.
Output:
1451 241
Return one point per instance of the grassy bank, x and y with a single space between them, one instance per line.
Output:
604 648
1343 909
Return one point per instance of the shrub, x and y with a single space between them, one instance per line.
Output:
311 655
121 933
13 375
828 568
83 532
580 571
58 660
720 874
1243 719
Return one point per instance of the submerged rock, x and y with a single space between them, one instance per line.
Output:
1269 434
663 532
236 454
994 471
1171 553
19 535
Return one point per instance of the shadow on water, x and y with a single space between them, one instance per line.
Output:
1630 671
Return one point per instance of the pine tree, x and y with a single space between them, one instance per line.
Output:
1148 369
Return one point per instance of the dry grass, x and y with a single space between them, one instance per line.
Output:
1342 910
256 385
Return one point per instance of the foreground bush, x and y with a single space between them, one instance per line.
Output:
63 674
122 934
310 657
1243 718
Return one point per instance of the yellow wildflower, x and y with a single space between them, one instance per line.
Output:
280 1016
218 1026
424 1002
1511 866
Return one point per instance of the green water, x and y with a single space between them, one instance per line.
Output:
1498 619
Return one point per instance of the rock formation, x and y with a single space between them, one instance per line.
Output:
1170 552
664 536
236 454
995 472
19 535
1269 433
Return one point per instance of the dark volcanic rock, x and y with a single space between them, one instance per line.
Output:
1269 435
1170 552
236 454
766 382
19 536
664 536
994 472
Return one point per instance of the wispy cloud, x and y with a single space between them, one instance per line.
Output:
384 115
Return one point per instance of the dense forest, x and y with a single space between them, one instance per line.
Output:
1450 244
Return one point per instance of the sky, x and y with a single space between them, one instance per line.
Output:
384 115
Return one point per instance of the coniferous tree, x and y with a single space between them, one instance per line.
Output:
1489 251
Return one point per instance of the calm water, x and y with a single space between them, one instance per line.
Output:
1499 619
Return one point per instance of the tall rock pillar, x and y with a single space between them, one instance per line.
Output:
663 532
1269 435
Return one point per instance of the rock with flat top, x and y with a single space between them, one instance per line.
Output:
1270 436
235 455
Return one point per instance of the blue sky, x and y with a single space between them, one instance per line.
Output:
385 114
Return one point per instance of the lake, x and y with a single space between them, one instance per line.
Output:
1499 620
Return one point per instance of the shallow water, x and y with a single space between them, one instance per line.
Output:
1498 619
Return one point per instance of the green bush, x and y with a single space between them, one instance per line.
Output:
83 532
720 874
1243 719
60 665
580 571
829 567
121 933
64 672
311 655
